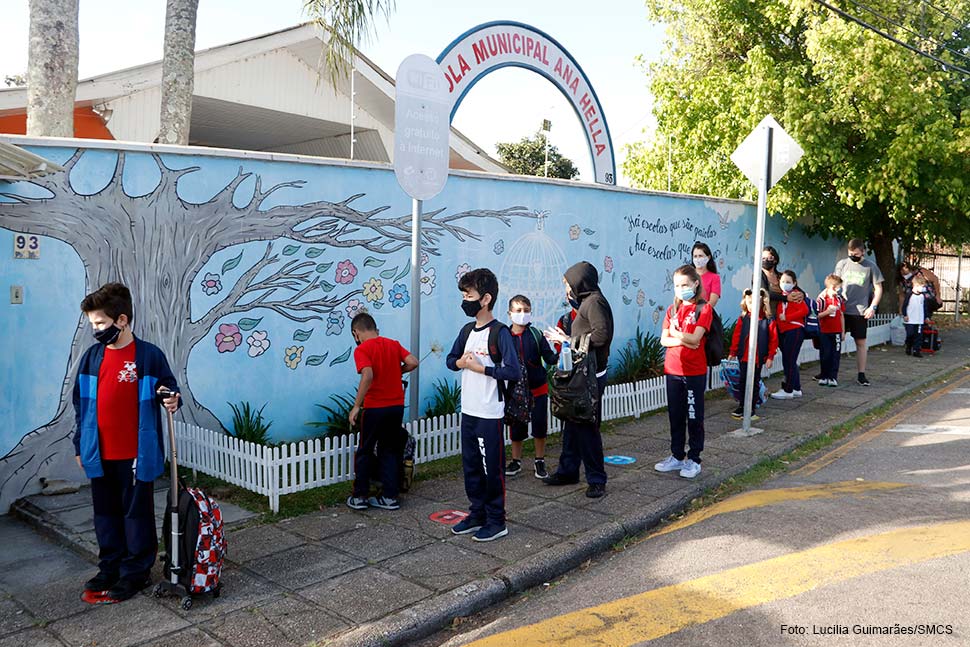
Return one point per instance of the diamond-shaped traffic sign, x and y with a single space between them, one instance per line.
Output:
750 155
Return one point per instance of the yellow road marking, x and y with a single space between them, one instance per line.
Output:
762 498
670 609
842 450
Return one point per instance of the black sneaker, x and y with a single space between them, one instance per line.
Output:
862 379
356 503
596 490
466 526
514 467
101 582
384 503
540 465
490 533
126 588
738 413
558 479
817 377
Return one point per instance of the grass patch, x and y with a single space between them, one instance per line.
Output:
771 467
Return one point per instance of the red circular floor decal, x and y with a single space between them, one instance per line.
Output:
448 517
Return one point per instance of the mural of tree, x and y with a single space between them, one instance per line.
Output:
158 243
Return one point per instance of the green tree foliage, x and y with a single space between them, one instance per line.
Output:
886 132
528 157
348 22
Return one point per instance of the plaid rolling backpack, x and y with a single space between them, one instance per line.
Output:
203 545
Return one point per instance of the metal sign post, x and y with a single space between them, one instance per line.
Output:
764 157
422 126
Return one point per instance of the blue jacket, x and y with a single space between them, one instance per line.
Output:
153 372
535 350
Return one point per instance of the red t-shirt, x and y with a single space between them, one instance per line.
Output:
118 404
830 323
680 360
384 356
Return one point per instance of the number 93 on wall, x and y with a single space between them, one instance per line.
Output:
26 246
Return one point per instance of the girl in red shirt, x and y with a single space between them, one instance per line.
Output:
790 319
685 370
767 345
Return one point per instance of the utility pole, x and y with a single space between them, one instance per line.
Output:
546 127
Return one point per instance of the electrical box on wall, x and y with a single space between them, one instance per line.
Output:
16 294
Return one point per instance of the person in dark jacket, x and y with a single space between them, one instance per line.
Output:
582 442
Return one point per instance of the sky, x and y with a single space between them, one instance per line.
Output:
604 37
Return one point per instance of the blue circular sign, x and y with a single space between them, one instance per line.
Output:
619 460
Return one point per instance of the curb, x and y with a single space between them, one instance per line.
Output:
424 618
47 524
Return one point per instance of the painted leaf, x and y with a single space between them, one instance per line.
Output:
389 274
627 300
302 335
636 283
378 304
343 358
588 231
316 360
248 324
323 267
313 252
404 272
652 302
232 263
593 246
327 287
289 250
370 261
614 277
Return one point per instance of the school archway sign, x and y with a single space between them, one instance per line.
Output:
494 45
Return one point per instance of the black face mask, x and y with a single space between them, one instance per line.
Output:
573 303
356 340
109 335
471 308
855 259
768 264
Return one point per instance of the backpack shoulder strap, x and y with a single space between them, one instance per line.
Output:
466 330
494 351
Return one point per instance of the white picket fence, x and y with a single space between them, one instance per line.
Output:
307 464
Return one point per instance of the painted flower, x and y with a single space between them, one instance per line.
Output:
211 284
720 262
293 356
499 247
462 270
574 232
641 297
335 323
656 316
228 338
608 264
355 306
398 296
427 280
625 280
258 343
346 271
425 258
373 289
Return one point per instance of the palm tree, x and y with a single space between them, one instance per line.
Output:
178 71
347 22
52 68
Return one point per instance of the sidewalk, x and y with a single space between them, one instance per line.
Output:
346 578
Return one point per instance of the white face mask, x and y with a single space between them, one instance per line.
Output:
917 289
520 318
787 287
700 261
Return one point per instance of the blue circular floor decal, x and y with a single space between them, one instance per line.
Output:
619 460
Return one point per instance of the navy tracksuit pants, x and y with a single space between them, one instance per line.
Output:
483 462
685 409
124 520
381 428
791 344
583 443
914 338
830 354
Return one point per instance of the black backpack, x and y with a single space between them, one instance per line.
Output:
494 352
713 338
518 397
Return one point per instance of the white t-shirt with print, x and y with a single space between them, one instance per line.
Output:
914 309
479 392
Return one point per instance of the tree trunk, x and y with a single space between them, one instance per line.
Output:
178 71
882 247
52 68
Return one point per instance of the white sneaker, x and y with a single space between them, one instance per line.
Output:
669 464
690 469
781 394
796 394
823 382
833 383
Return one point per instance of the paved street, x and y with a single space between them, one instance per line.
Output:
871 535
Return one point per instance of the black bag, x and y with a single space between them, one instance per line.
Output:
518 398
713 338
574 396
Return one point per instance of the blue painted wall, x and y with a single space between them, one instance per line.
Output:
262 355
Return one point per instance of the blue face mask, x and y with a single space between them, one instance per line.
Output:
685 294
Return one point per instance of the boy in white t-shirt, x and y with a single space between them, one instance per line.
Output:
485 354
914 316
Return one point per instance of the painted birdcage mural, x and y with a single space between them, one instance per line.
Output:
534 266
